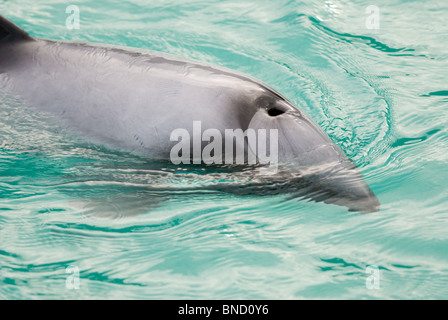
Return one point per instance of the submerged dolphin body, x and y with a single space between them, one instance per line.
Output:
135 99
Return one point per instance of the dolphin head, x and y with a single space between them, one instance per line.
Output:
309 155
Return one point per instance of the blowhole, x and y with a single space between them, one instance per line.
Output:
274 112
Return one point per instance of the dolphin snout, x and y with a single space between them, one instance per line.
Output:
307 151
367 205
344 185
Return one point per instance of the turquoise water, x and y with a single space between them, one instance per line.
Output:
133 232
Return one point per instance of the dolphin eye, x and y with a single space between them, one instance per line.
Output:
274 111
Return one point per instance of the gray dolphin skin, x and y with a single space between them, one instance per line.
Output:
133 100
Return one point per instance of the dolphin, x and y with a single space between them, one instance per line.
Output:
134 99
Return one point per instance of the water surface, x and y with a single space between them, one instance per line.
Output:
134 229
